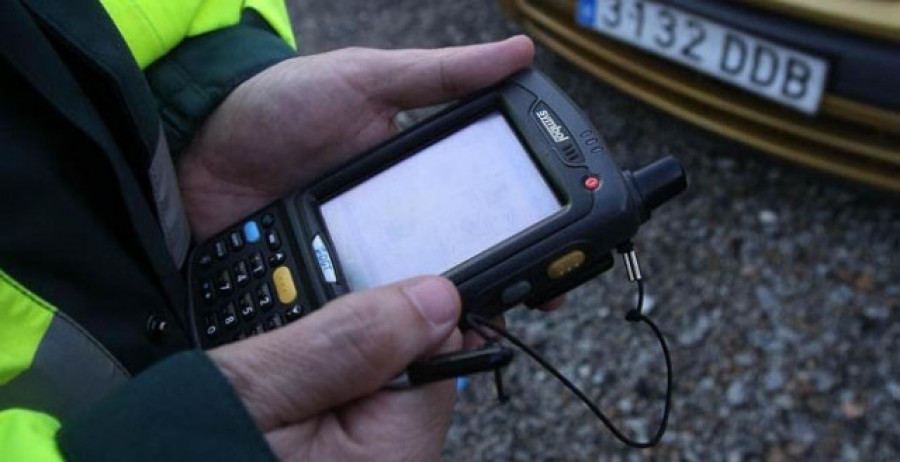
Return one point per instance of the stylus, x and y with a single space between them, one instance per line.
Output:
451 365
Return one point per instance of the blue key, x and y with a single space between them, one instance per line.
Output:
251 231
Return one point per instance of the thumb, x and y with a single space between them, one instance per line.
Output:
348 349
409 79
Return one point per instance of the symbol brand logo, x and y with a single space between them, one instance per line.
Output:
554 129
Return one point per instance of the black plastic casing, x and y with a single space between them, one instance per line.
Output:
590 221
594 218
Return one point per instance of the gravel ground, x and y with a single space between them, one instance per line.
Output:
779 291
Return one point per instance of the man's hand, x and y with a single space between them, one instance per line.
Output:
313 387
301 118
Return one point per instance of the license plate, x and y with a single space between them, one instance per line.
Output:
774 71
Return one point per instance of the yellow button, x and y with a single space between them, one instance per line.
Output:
284 285
565 264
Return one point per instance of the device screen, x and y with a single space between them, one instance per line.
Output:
439 207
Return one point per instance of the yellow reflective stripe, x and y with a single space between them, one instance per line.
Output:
153 27
24 319
28 435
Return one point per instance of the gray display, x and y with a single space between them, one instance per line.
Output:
438 208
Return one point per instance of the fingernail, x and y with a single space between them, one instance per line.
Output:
435 299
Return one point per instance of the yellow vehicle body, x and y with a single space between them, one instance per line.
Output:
852 139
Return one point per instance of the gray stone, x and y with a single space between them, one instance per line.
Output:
768 217
893 390
649 303
877 312
823 380
696 332
767 300
773 380
783 401
744 359
737 393
849 452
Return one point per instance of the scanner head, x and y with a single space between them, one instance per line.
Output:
657 182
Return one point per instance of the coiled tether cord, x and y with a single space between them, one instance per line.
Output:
479 324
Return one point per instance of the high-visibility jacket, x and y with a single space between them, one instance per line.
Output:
97 97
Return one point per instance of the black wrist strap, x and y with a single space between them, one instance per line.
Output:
479 324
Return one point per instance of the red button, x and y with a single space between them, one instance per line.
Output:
592 182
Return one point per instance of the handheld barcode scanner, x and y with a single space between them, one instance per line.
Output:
511 194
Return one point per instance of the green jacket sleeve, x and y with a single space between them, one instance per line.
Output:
191 80
28 435
182 409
